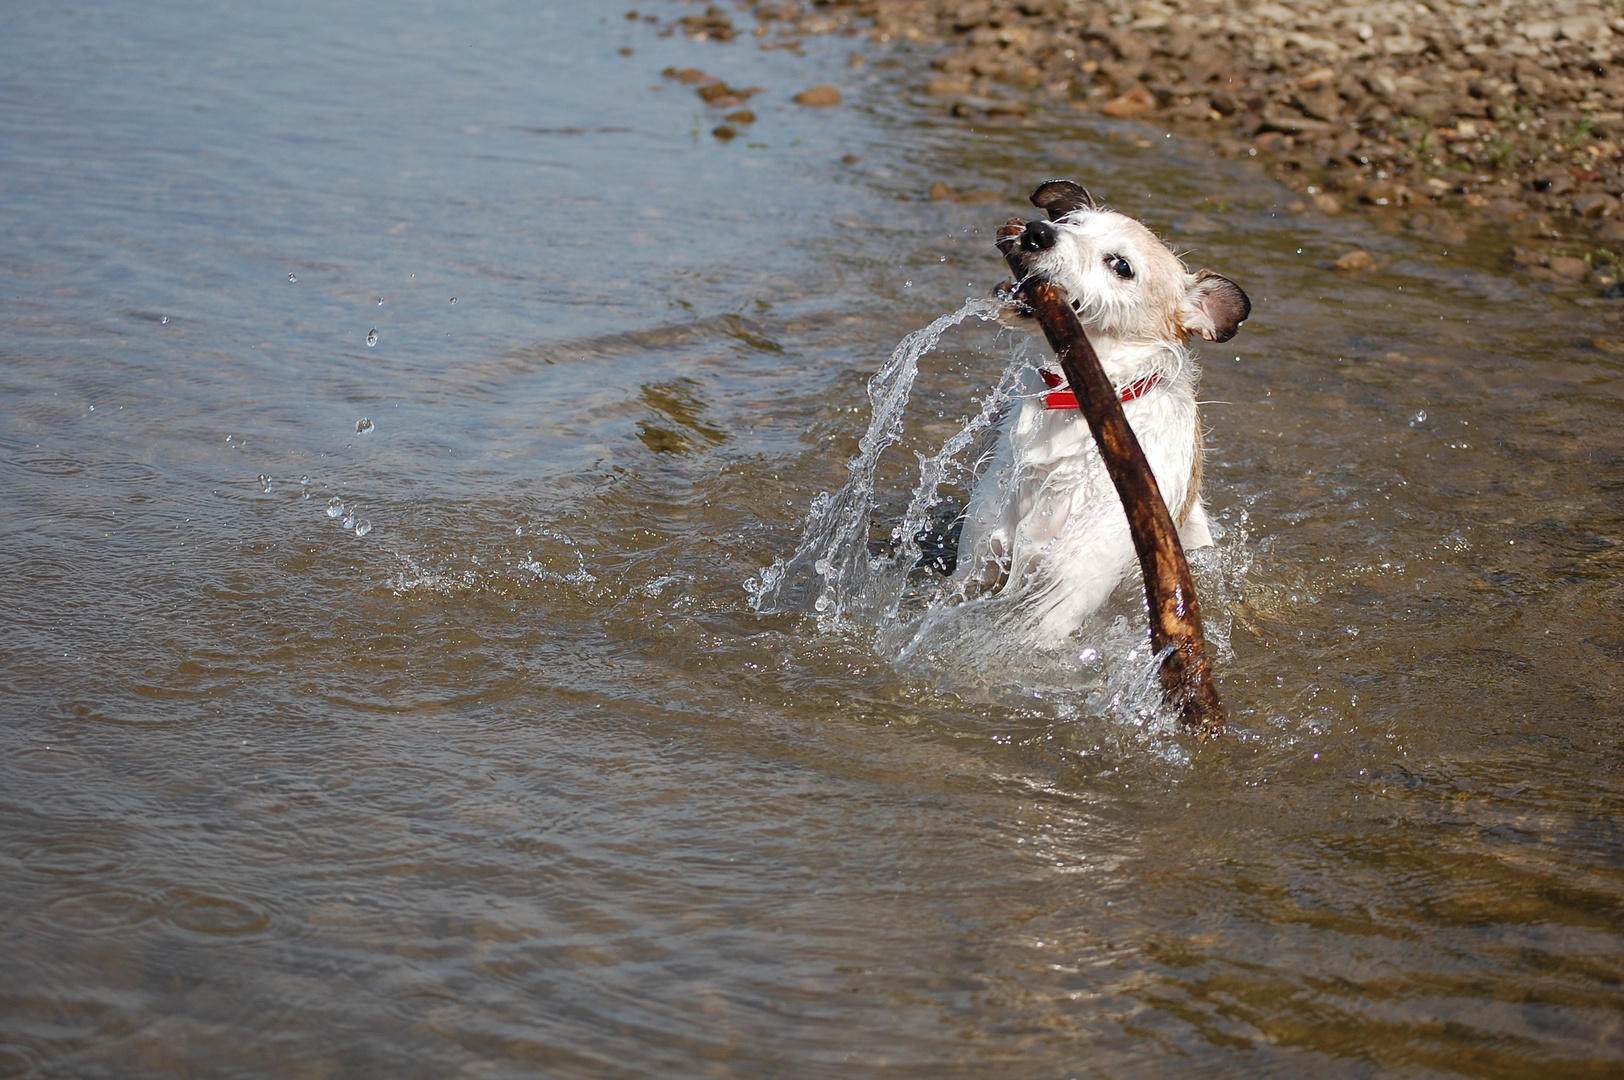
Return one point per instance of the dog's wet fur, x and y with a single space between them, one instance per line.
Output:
1044 522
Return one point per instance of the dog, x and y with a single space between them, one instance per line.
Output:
1044 523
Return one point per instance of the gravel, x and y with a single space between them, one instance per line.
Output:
1448 116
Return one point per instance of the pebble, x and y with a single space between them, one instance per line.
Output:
1135 101
1356 260
1568 266
818 97
1497 112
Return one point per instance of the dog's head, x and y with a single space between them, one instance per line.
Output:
1121 280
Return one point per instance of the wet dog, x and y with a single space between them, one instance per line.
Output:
1044 523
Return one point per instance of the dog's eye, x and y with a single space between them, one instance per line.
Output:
1119 266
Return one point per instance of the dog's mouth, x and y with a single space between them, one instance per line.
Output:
1021 242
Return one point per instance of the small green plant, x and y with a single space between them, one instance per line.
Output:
1581 132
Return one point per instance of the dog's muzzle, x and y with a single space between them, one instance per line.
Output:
1038 235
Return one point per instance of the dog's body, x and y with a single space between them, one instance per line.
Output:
1045 520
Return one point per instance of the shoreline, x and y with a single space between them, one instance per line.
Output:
1444 117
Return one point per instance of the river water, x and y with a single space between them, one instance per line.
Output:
395 401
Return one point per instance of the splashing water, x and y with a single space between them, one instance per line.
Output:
937 628
831 571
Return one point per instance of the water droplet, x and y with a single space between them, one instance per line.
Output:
453 299
164 321
823 567
363 426
907 284
1420 417
348 520
1089 655
380 301
293 277
372 337
941 258
335 506
264 482
519 531
304 481
822 604
362 527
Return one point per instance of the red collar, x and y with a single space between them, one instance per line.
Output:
1065 399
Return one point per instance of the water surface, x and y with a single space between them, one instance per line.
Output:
513 781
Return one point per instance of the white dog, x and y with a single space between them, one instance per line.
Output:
1045 523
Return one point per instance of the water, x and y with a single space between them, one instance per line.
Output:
516 781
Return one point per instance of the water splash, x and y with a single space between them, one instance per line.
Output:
578 576
832 572
372 337
364 425
940 629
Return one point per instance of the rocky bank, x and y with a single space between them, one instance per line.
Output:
1443 117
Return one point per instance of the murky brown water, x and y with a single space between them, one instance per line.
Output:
517 784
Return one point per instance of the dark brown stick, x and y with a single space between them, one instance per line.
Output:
1175 613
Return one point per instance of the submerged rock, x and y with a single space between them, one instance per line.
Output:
818 97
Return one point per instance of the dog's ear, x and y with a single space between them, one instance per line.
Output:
1057 198
1213 306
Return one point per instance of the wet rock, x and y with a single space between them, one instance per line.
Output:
721 95
1505 210
1553 183
1327 203
743 116
1321 104
1568 267
940 192
1135 101
1356 260
1508 94
1006 107
1595 204
818 97
1438 225
725 132
1292 123
688 75
1199 225
1383 193
714 23
1611 232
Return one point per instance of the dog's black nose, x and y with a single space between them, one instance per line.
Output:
1039 235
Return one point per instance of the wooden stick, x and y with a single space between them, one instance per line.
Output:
1175 613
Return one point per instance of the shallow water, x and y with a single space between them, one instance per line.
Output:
518 782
